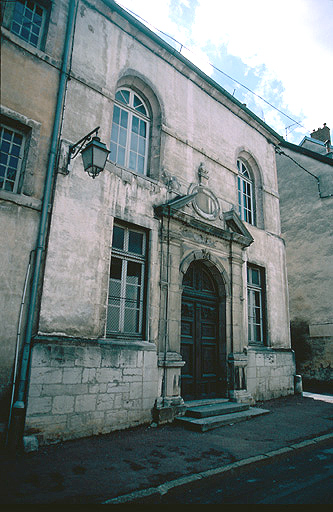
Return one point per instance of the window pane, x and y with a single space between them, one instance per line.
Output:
134 273
135 124
141 165
122 137
116 114
131 321
138 105
118 237
132 161
121 156
116 266
123 96
255 274
123 118
113 316
143 128
142 146
135 242
134 142
17 139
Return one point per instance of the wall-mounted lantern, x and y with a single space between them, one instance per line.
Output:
94 153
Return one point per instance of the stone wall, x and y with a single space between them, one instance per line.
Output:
80 389
270 373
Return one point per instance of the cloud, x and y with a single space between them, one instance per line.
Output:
287 46
286 41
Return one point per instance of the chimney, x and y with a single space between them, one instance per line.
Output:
322 134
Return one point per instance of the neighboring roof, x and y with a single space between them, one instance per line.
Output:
304 151
313 140
131 19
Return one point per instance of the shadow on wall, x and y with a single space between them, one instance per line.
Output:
311 362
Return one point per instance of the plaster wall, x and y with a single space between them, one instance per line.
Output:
29 84
306 225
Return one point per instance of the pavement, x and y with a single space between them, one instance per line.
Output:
129 465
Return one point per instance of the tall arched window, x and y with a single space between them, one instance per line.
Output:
130 131
245 193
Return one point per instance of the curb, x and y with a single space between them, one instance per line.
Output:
166 487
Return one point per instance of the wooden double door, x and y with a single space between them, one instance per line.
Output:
201 336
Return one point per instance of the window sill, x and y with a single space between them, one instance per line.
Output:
128 344
127 175
33 50
21 200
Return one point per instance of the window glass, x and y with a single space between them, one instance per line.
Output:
27 21
255 297
126 288
129 132
118 237
245 194
11 155
135 242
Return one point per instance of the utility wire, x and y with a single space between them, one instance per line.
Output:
215 68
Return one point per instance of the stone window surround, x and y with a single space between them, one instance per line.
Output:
251 163
141 259
139 85
31 130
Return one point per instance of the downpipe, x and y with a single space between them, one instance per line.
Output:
17 347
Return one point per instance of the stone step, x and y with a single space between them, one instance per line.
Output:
206 401
215 409
211 422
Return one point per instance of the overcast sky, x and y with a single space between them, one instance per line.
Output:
280 49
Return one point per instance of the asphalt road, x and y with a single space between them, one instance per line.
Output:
303 477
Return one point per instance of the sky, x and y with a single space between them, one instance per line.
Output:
280 50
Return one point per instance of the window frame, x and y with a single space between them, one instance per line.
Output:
245 181
21 158
127 257
8 20
131 111
254 288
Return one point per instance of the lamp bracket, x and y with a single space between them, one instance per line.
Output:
75 149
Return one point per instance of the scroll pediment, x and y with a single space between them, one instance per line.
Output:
175 204
236 225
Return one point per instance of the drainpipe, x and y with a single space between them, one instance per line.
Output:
19 408
17 347
231 297
230 372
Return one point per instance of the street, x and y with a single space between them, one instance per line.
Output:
304 477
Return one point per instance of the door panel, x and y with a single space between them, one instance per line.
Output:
200 343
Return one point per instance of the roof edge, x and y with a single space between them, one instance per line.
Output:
131 19
307 152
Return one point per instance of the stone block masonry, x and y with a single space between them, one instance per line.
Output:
87 388
270 372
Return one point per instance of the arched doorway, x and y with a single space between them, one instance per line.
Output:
202 339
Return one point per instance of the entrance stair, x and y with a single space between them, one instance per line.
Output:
202 415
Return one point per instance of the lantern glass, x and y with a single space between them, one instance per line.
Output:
94 157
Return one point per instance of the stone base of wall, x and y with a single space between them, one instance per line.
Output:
84 388
318 365
270 372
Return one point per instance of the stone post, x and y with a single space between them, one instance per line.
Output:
237 363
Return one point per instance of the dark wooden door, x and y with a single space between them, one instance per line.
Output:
201 375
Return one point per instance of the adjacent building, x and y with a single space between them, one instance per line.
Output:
162 279
305 176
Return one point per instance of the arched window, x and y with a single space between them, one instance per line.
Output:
245 193
130 131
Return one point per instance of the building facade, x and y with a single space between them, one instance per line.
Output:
164 278
305 176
